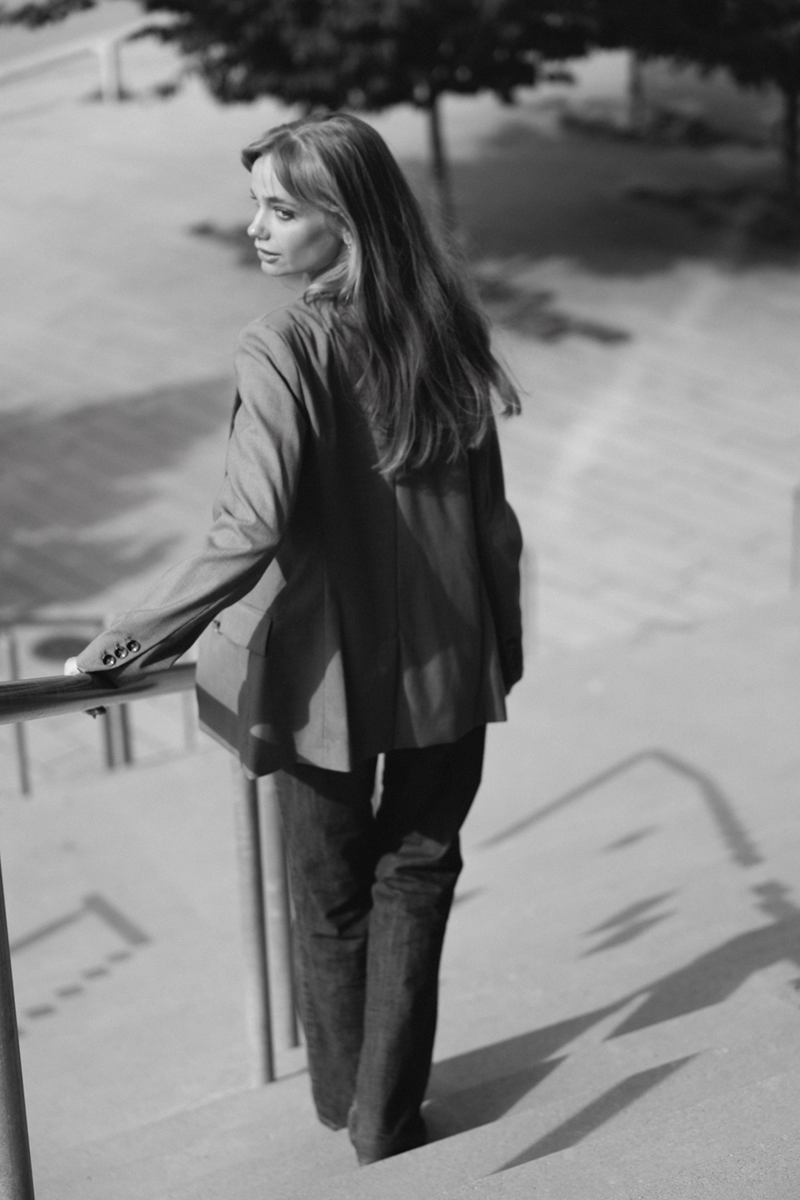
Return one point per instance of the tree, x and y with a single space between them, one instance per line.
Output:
361 54
757 40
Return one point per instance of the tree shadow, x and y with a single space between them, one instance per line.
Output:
535 313
531 196
234 236
64 476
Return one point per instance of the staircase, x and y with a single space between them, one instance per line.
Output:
620 999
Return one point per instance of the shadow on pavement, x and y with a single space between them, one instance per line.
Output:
737 840
630 923
580 198
714 976
505 1073
65 477
707 980
598 1112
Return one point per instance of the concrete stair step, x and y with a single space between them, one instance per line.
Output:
740 1143
268 1136
124 920
671 1118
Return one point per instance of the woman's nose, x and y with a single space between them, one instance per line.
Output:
257 228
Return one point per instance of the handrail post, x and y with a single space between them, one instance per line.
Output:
108 57
20 736
189 706
278 917
794 563
251 881
117 736
16 1176
117 740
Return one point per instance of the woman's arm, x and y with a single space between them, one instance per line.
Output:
250 513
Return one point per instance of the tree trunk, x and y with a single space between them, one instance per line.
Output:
637 100
791 104
443 188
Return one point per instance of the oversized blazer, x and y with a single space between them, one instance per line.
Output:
342 614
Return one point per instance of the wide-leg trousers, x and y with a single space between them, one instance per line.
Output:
372 890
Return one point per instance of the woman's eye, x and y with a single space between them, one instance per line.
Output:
285 214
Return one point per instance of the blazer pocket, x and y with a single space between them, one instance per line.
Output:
245 626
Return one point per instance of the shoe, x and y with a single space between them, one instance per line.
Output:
413 1137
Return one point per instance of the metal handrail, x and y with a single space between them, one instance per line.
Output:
27 699
116 730
794 549
264 896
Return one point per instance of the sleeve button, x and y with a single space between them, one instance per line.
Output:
133 646
109 660
120 651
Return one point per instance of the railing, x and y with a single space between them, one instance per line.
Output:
794 554
115 726
104 46
264 898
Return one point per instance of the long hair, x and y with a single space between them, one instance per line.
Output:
416 340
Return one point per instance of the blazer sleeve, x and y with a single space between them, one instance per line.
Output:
250 516
499 541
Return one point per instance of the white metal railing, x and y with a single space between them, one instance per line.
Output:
105 47
794 550
269 988
115 725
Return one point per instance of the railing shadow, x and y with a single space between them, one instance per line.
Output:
740 845
270 1002
479 1087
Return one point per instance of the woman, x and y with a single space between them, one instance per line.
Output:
359 593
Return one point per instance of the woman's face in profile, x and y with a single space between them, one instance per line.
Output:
291 237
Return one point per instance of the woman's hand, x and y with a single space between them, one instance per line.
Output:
71 668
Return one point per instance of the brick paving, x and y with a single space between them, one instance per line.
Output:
652 468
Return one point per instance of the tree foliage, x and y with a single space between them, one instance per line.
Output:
366 53
757 40
371 53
